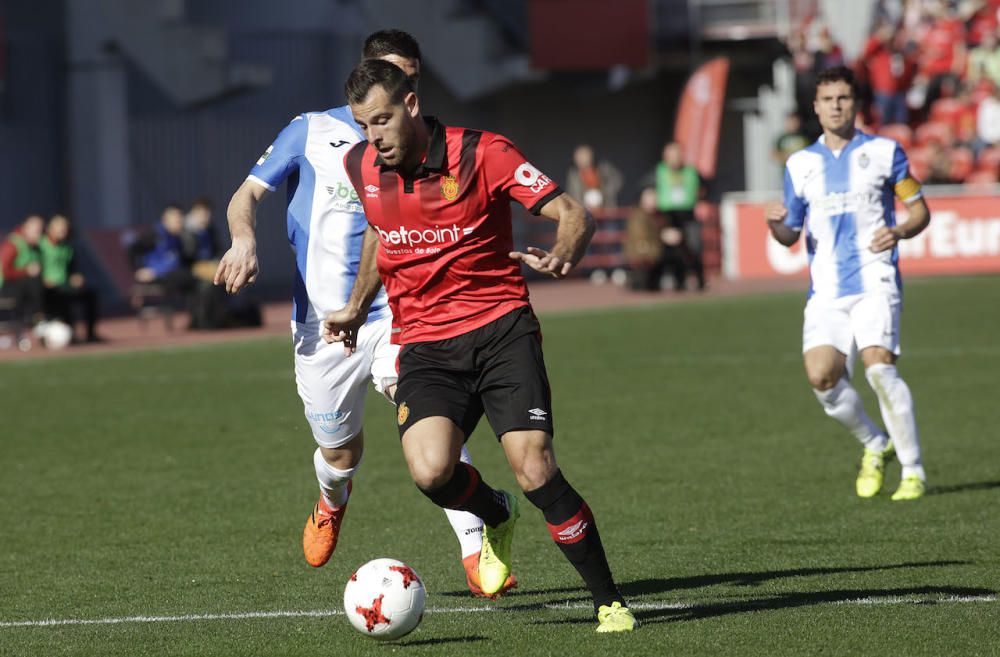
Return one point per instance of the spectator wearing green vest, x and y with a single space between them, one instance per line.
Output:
21 268
67 296
678 189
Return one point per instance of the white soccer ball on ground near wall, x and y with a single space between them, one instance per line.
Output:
384 599
55 335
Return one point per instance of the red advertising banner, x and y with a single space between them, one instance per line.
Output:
699 116
963 238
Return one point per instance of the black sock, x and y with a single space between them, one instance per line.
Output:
466 491
572 527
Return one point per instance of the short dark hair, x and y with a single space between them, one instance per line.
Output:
202 202
371 72
391 42
838 74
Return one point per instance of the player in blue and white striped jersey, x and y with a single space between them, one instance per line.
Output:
841 190
326 227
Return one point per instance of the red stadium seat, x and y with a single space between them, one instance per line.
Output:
962 163
898 131
946 110
981 177
989 160
934 132
919 162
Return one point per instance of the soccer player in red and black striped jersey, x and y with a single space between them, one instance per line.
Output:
437 199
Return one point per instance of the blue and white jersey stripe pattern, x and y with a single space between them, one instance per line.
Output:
326 223
841 199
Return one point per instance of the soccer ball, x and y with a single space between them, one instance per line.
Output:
54 335
384 599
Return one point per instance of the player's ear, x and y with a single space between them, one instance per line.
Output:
412 104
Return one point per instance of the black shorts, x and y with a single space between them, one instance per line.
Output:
497 369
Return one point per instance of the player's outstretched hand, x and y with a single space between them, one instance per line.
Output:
775 212
884 239
343 326
544 262
238 267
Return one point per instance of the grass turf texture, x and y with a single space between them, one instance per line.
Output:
176 482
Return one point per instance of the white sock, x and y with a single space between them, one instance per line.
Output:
896 404
332 481
467 527
843 403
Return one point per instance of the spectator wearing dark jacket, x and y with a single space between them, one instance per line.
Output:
20 274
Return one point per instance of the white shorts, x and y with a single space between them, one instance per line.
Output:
854 322
333 386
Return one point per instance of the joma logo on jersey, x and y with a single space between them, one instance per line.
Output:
429 236
531 178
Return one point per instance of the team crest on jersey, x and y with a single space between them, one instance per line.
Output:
404 412
449 188
267 154
863 161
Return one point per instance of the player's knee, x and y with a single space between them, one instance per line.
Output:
430 477
822 380
535 470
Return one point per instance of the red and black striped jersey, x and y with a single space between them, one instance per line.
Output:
445 230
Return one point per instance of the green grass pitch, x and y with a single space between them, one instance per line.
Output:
174 483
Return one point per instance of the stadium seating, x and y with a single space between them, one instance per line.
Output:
962 163
934 132
900 132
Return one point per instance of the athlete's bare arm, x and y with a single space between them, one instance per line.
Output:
919 218
238 267
576 227
775 214
342 325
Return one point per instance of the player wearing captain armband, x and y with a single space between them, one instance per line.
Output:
841 192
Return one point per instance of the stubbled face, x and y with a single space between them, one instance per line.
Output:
389 127
583 157
58 229
31 229
173 220
835 106
647 200
673 155
410 66
200 217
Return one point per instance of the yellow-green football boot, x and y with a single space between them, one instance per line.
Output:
615 618
495 558
910 488
872 471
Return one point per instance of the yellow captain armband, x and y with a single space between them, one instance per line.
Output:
907 189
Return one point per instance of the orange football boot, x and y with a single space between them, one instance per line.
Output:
471 564
319 538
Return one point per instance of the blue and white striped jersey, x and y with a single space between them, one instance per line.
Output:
842 199
326 223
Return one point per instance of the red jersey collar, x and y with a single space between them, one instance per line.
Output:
436 159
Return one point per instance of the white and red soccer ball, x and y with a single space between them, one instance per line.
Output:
384 599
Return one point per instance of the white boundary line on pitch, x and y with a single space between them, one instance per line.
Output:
319 613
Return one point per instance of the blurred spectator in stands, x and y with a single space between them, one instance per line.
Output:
938 165
984 60
201 249
166 262
65 286
21 272
943 53
678 189
644 252
988 122
791 140
596 184
889 69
